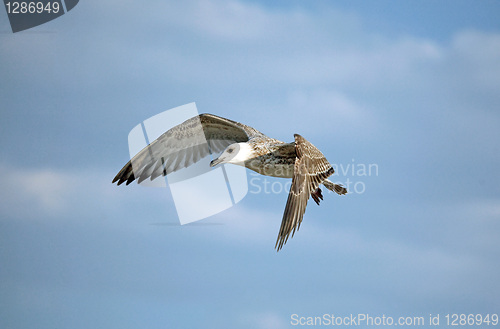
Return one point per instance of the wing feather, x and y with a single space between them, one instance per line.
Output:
184 145
310 169
158 170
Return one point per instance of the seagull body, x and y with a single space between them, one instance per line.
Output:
200 136
263 155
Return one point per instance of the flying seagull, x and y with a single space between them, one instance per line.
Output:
185 144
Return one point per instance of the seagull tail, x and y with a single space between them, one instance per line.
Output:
339 189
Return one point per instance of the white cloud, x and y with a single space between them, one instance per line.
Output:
254 24
271 321
248 226
478 46
49 193
319 52
250 45
477 54
264 320
329 110
35 191
481 209
226 20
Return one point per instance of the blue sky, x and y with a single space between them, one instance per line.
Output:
412 87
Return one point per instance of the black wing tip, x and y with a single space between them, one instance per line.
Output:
279 244
281 240
119 180
130 179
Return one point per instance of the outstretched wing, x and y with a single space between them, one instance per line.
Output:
184 145
310 170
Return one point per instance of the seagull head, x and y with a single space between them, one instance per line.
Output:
236 153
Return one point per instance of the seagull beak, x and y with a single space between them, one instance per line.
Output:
215 162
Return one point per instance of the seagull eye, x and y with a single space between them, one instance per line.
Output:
230 151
